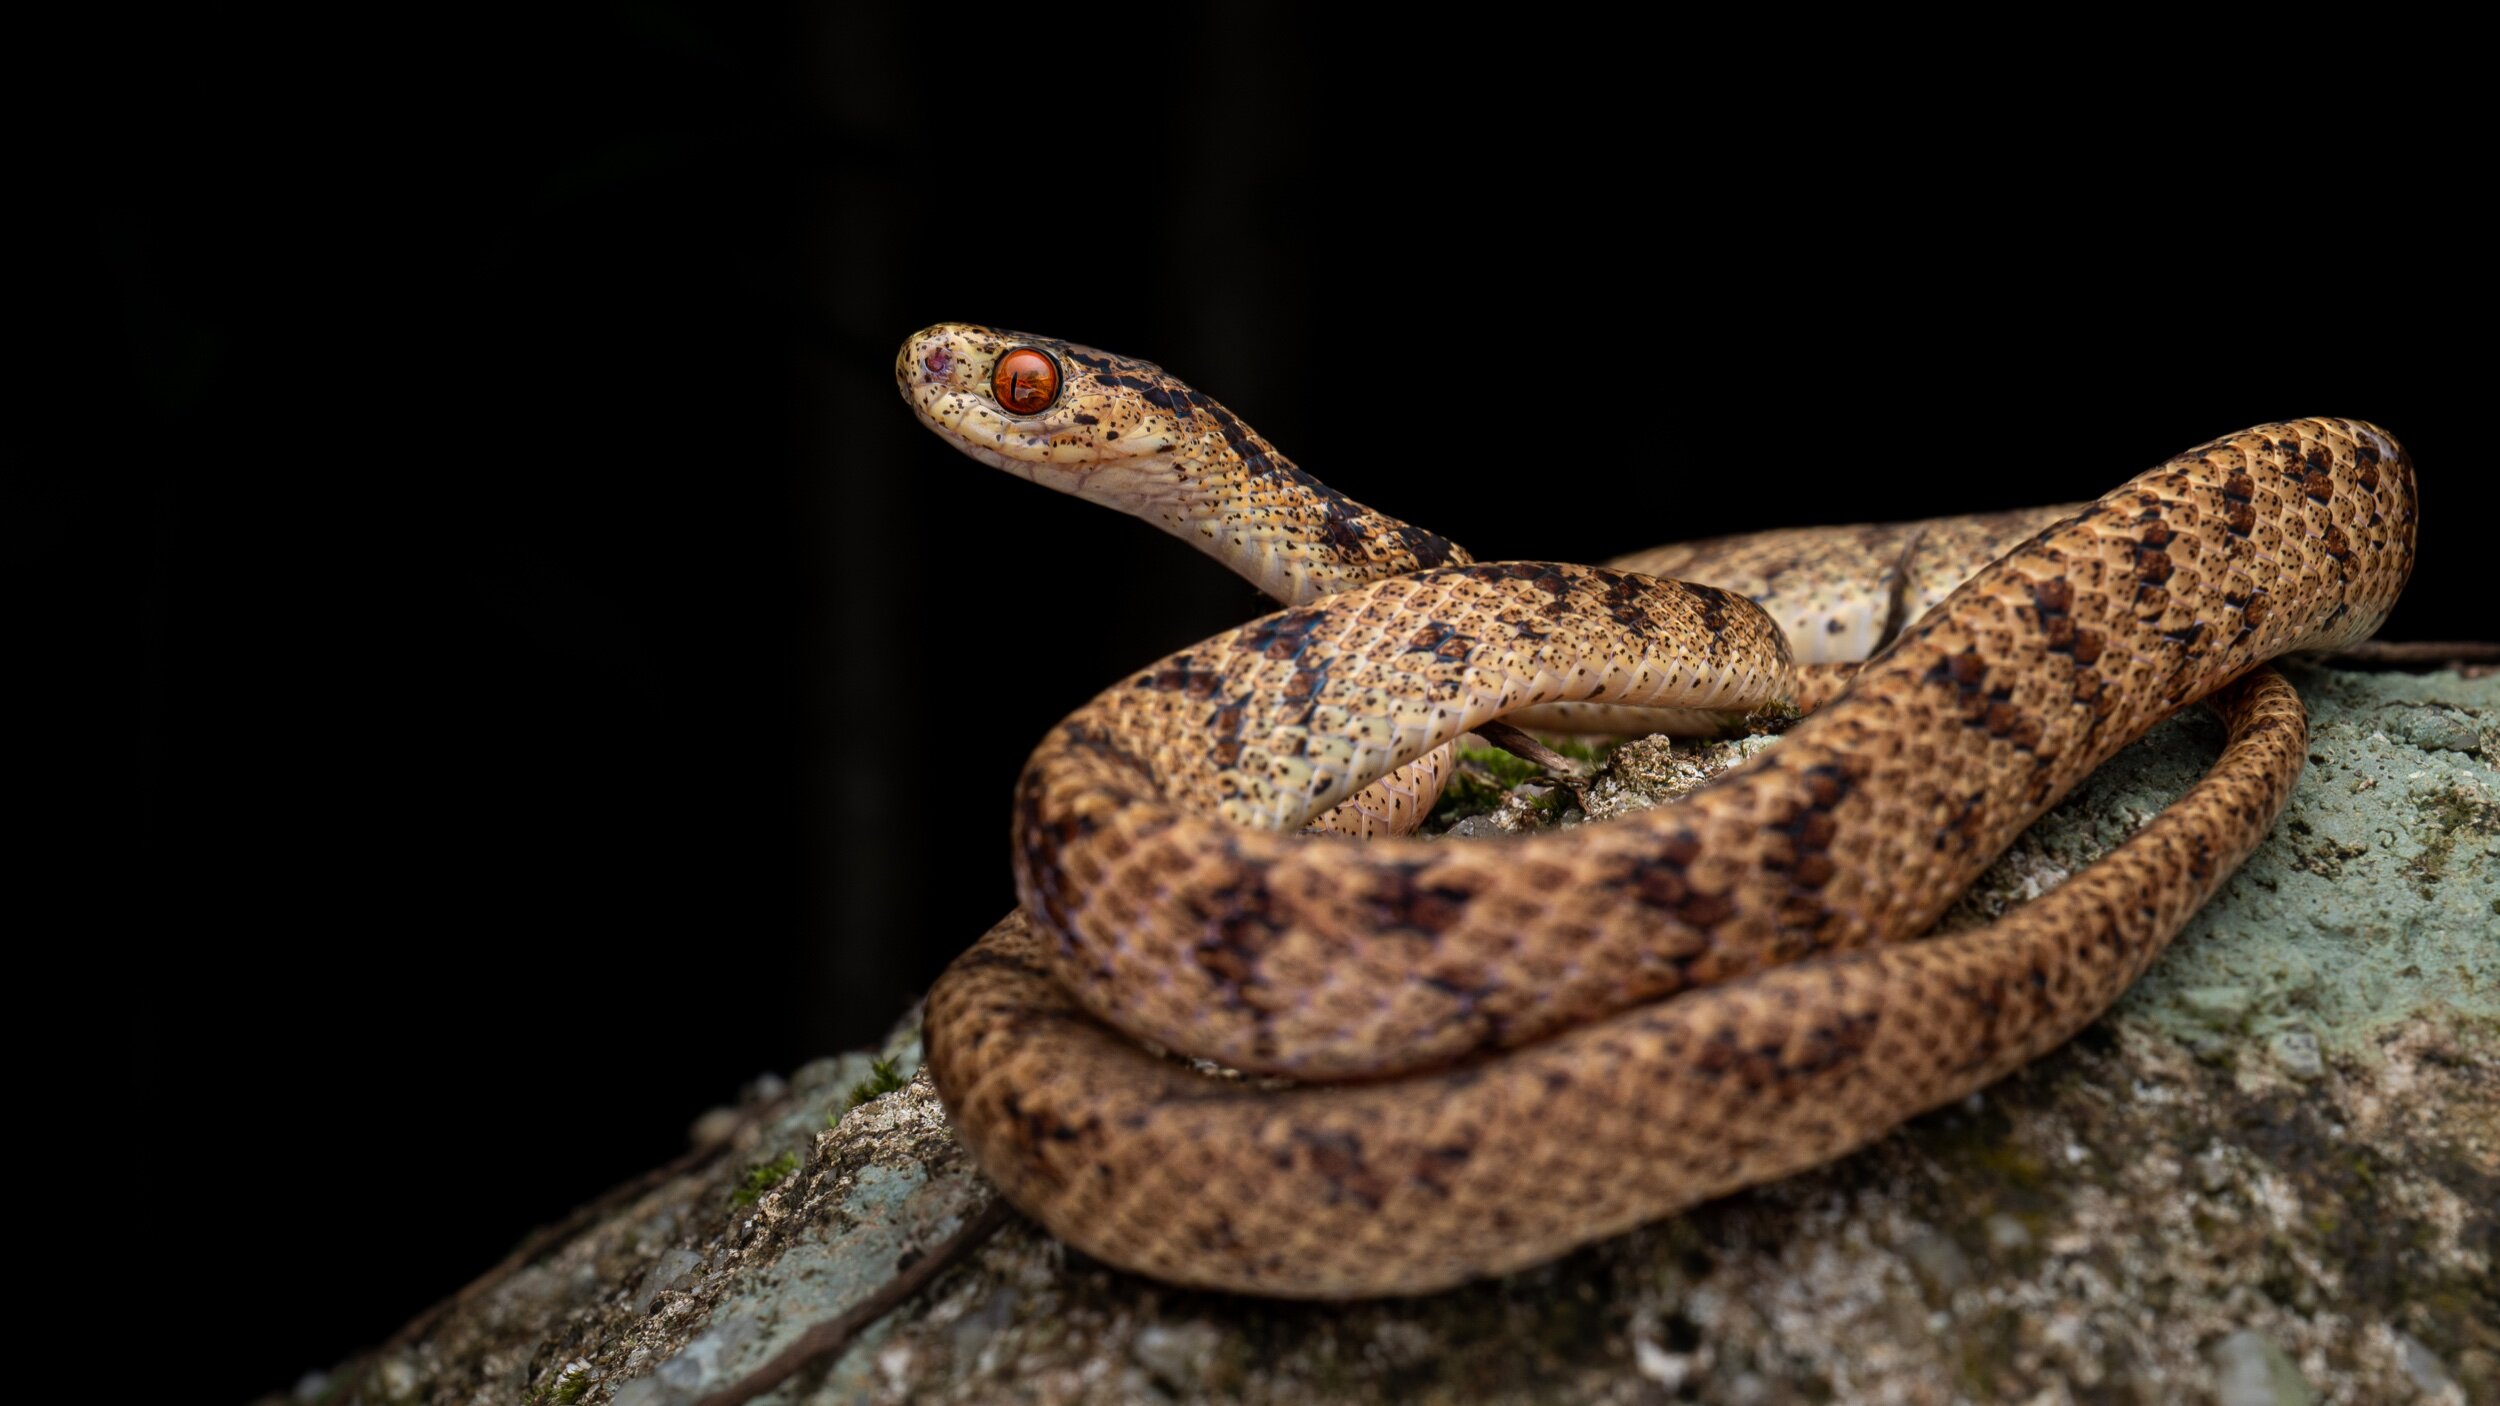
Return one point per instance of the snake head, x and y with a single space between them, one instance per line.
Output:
1086 422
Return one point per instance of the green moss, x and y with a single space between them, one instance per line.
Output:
1486 775
1505 769
763 1177
884 1077
569 1388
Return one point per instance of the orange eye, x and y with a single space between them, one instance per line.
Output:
1026 381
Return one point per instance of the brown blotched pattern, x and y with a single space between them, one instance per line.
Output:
1575 1112
1422 1182
1842 593
1267 952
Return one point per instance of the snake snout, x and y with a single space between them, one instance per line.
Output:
932 358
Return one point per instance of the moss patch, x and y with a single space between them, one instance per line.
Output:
884 1077
1505 770
763 1177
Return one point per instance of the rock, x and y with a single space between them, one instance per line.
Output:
822 1073
1178 1354
980 1326
1654 770
2006 1235
1939 1264
2249 1370
2282 1148
713 1126
2437 729
674 1269
2221 1007
2297 1052
2478 1371
694 1369
393 1379
2424 1367
1668 1369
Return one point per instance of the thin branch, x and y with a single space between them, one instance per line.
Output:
827 1340
1528 749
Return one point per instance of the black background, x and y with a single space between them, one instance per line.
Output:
545 677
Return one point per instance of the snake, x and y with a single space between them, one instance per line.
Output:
1221 1046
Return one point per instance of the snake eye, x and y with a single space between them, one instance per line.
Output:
1026 381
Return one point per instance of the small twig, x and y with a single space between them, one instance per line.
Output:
827 1339
1528 749
1571 776
2413 654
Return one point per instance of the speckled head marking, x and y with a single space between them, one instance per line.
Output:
1098 436
1126 434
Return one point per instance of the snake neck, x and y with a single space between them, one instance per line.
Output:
1233 496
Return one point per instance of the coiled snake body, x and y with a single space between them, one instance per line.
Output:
1534 1043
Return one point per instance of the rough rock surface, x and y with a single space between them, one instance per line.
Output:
2271 1175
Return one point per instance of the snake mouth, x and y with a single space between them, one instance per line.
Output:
948 412
1142 484
1025 469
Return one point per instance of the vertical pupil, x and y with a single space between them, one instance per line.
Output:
1026 381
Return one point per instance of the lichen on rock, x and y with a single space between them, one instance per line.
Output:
2272 1173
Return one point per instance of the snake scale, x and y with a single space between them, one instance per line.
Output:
1499 1050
